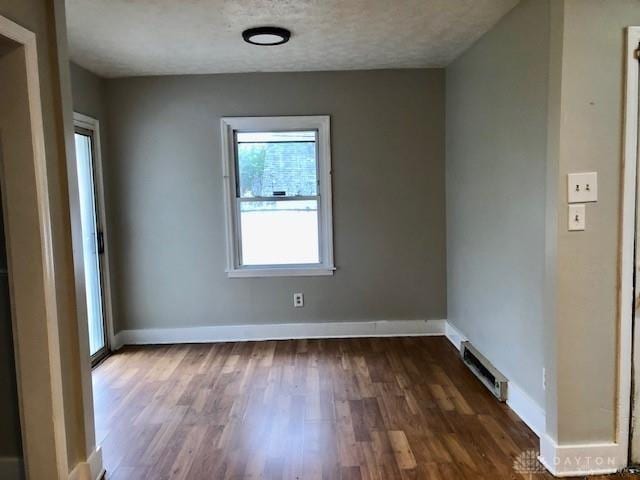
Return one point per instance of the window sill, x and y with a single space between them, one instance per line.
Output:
281 272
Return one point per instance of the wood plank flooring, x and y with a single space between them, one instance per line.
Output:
375 409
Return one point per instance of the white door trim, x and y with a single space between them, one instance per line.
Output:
627 239
93 125
20 35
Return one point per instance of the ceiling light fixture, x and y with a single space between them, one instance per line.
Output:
266 36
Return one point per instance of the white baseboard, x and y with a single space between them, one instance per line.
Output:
11 468
526 408
517 399
580 460
92 469
95 464
454 335
280 331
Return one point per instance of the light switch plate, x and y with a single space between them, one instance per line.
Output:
577 217
583 187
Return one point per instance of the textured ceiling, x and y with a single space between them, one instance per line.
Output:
116 38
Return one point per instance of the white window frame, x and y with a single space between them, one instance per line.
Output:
319 123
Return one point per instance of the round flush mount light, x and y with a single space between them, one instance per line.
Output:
266 36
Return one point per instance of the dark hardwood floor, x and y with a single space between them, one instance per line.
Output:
377 409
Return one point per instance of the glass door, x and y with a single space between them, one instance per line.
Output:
92 243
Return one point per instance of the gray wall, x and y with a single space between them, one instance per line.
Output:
88 94
165 200
495 177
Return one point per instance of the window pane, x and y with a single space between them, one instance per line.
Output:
88 226
279 232
263 137
276 164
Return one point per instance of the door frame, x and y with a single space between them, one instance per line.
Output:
87 122
628 419
38 284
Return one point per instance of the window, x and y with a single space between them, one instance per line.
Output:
277 173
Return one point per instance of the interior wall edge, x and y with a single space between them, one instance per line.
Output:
81 425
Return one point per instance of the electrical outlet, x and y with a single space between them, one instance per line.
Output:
298 300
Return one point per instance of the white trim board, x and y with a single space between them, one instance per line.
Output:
454 335
518 400
45 288
526 408
280 331
578 460
92 469
626 301
11 468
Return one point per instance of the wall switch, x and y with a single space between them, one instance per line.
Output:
544 378
298 300
583 187
577 214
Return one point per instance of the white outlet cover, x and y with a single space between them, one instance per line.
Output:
582 187
298 300
577 217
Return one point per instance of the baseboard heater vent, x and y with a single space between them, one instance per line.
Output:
482 368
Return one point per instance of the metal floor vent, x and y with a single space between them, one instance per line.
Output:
482 368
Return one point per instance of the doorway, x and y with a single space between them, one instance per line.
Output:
11 463
91 209
40 438
629 335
